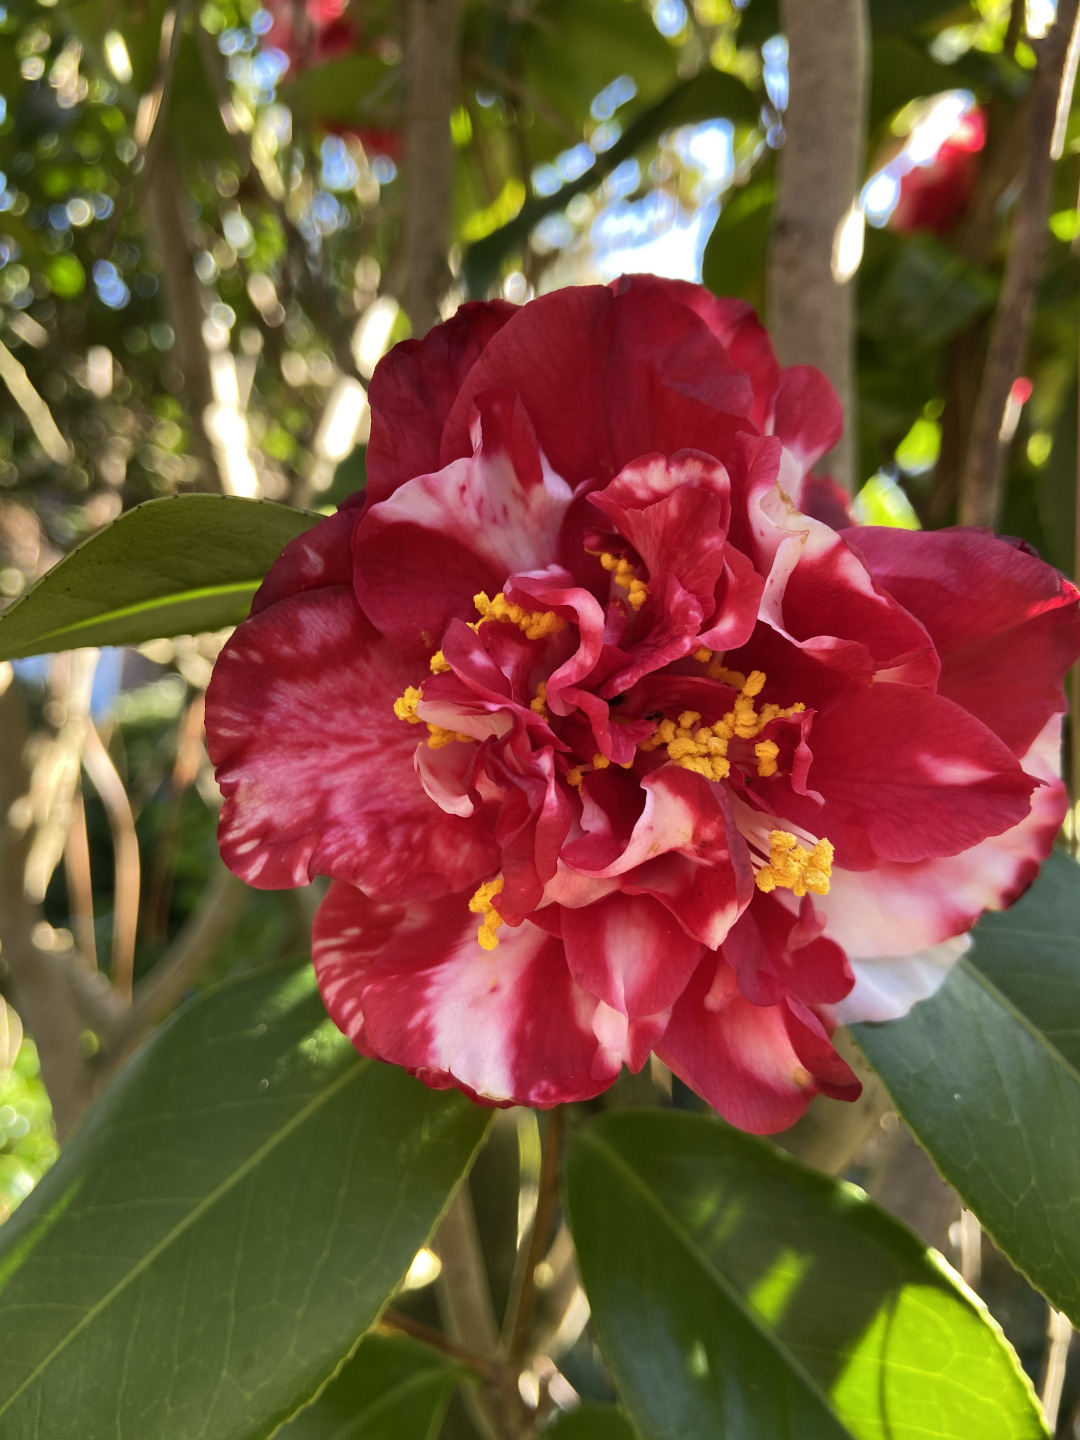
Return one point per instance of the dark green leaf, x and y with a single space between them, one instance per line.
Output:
987 1074
592 1422
924 297
229 1219
736 1293
169 567
734 260
391 1389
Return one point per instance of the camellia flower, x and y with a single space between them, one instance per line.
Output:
935 196
608 747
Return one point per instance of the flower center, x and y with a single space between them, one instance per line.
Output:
704 748
622 572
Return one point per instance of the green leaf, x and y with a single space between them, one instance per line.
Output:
169 567
987 1074
925 297
735 253
229 1219
592 1422
736 1293
391 1389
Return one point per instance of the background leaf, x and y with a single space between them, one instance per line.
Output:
170 567
391 1389
987 1074
229 1220
736 1293
592 1422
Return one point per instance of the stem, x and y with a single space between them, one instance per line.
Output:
432 42
811 274
984 463
546 1202
406 1325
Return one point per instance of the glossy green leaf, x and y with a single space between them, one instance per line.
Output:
987 1074
226 1223
391 1389
735 1293
169 567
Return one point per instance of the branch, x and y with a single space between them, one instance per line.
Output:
984 462
432 43
33 407
41 976
126 869
546 1202
816 238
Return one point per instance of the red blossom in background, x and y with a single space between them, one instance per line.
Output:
935 196
607 747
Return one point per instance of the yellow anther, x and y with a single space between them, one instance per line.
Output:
754 684
702 654
438 736
600 762
482 903
688 718
439 663
574 776
622 572
792 867
535 624
766 752
539 704
735 678
405 705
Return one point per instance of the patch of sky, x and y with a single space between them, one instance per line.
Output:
553 233
774 54
110 287
486 98
670 17
383 169
8 197
328 214
59 218
604 136
572 164
3 109
623 180
236 41
620 90
103 206
339 169
261 21
267 68
546 180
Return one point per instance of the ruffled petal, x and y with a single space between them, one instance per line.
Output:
414 388
1005 624
740 1057
410 984
317 772
630 952
423 554
320 557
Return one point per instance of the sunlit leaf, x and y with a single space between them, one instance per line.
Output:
736 1293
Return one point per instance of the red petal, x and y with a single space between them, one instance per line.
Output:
606 378
413 390
410 984
425 552
316 770
630 952
737 1056
320 557
906 775
1005 624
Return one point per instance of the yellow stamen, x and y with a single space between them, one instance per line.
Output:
539 704
704 749
702 654
482 903
574 776
535 624
439 663
405 706
600 762
438 736
792 867
766 752
622 572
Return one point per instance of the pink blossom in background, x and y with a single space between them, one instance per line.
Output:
608 748
935 196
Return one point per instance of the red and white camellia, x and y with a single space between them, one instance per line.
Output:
607 746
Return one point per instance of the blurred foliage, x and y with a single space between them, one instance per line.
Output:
27 1144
